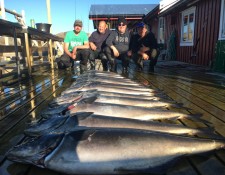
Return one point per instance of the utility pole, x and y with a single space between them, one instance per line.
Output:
49 12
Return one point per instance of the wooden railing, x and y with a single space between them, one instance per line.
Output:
26 35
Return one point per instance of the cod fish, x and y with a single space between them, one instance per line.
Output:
109 151
83 120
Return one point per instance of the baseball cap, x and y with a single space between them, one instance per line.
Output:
122 21
140 24
78 23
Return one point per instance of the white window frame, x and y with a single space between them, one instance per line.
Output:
222 21
184 13
161 30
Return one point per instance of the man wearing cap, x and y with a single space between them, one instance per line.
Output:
97 43
117 45
143 46
76 45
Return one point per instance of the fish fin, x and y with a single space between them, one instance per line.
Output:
180 105
174 118
53 105
88 100
82 115
177 105
91 91
158 170
196 118
209 133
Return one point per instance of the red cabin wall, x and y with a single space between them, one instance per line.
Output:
154 26
208 13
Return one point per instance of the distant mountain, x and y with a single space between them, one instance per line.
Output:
61 34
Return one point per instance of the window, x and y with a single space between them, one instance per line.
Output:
222 21
187 28
161 30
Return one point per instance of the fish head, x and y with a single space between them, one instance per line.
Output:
34 150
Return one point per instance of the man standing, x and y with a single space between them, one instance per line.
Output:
117 45
76 45
143 47
97 43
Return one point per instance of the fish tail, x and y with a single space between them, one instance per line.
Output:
196 118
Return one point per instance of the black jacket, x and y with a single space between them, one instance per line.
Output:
148 40
99 39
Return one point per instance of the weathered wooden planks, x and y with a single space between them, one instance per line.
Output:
193 93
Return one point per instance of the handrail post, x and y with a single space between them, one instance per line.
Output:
50 55
28 60
16 52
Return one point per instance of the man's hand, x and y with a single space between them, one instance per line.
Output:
74 53
129 53
115 51
92 46
73 56
145 56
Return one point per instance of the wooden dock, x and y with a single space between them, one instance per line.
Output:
200 91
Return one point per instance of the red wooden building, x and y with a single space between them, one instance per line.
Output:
193 29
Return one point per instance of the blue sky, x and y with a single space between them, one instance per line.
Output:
63 12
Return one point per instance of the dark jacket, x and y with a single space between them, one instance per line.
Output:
99 39
148 40
120 41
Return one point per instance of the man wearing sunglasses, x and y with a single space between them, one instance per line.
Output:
143 47
117 45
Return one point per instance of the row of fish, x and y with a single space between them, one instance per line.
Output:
107 124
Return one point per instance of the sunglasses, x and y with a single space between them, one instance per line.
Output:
121 24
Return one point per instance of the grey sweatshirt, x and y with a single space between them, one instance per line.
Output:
120 41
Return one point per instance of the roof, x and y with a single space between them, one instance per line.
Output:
176 6
152 14
115 10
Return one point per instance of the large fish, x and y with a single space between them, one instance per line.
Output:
114 85
63 109
109 151
136 102
82 120
108 80
110 89
128 101
113 78
127 86
157 96
72 98
123 111
106 74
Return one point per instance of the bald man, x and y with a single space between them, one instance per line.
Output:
97 43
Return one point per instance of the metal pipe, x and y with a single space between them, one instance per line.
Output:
12 12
